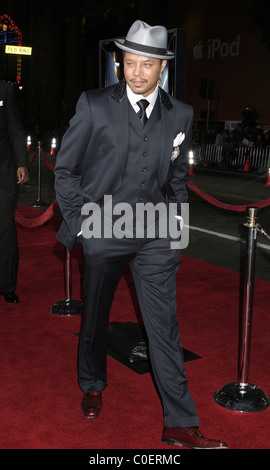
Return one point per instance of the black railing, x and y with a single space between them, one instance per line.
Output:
212 155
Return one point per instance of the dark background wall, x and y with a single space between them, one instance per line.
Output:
64 35
223 46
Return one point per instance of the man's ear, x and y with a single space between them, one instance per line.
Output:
163 65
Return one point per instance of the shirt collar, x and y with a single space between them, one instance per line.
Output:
133 98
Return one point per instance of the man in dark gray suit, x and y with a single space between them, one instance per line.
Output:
14 171
111 161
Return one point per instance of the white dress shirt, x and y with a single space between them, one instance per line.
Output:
133 98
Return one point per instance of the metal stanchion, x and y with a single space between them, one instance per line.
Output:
241 395
68 306
38 202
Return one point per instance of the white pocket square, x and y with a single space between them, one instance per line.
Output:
179 139
1 103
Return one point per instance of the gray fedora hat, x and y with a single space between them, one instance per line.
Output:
149 41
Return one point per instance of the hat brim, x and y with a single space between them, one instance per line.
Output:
121 44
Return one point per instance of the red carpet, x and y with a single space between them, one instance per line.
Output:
39 395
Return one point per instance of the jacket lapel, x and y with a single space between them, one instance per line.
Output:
167 135
119 107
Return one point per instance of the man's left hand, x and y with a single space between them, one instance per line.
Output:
22 175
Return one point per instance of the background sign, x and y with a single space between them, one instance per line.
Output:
19 50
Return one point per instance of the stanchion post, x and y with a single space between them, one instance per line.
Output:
68 283
67 307
38 202
248 293
241 395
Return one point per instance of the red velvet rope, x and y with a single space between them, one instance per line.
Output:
32 159
230 207
35 221
47 162
45 159
45 216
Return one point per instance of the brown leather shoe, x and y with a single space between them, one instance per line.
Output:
190 437
91 404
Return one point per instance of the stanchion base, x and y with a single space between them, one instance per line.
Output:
242 397
68 308
39 204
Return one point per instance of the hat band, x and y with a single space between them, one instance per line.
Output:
143 48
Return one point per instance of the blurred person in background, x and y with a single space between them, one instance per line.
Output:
14 171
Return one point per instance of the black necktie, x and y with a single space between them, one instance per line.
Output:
142 113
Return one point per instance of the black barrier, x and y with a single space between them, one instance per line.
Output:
241 395
231 156
39 202
67 307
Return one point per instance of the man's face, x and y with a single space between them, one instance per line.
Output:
142 73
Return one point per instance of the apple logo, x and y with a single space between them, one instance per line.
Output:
198 51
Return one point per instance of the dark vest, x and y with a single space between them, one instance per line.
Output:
140 183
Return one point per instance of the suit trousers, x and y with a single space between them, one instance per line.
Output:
9 253
153 265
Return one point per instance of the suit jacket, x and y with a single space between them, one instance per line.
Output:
13 140
93 155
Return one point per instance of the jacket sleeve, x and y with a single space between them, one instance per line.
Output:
180 173
68 168
17 134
